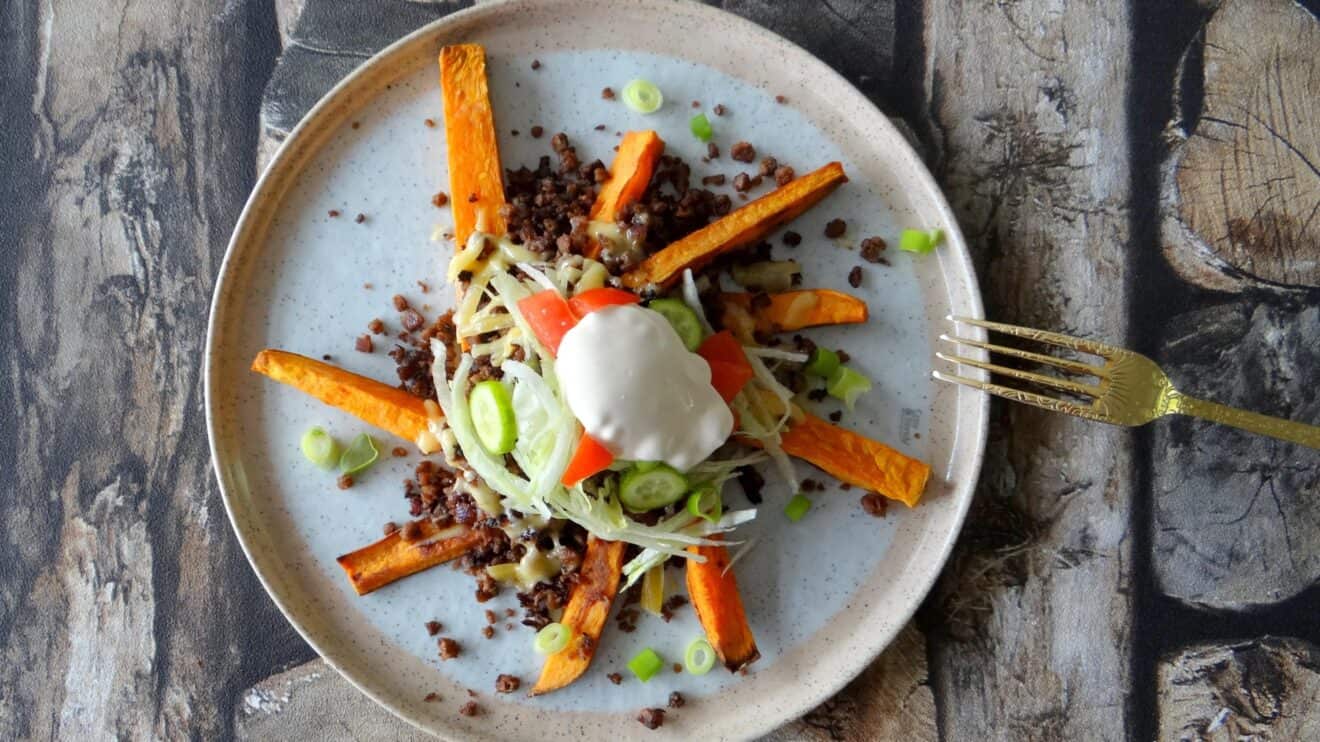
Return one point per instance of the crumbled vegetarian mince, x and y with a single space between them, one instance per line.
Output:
412 320
615 678
719 109
672 604
432 697
360 218
513 132
411 531
376 326
742 182
547 209
817 395
836 416
676 700
784 175
677 667
413 361
742 152
400 302
363 344
430 123
769 165
425 288
470 709
326 357
449 648
399 452
439 199
875 504
843 355
792 239
607 93
627 619
507 683
855 276
871 249
696 104
713 180
811 485
390 527
356 124
537 131
508 627
345 481
536 64
669 210
599 127
751 482
712 150
491 617
333 213
652 718
835 228
781 100
845 486
433 628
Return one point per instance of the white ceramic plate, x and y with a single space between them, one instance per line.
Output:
824 596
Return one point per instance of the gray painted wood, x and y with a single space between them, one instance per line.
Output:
1094 593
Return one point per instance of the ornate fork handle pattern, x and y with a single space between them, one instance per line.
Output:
1254 422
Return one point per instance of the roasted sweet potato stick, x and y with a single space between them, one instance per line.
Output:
390 409
629 175
793 310
738 229
714 594
393 557
476 185
856 459
588 608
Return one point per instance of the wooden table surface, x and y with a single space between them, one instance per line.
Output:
1142 171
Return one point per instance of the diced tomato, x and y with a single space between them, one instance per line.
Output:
589 301
729 369
590 458
550 317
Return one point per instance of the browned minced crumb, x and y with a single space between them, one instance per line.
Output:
430 123
792 239
432 697
855 276
333 213
607 93
448 648
491 617
357 124
470 709
514 132
390 527
674 603
508 627
784 175
875 504
510 613
376 326
399 452
811 485
712 150
367 286
769 165
439 199
676 700
835 228
843 355
400 303
742 152
652 718
742 182
817 395
433 628
537 131
507 683
836 416
488 632
871 249
713 180
536 64
781 100
845 486
473 198
599 127
412 320
615 678
411 531
719 109
364 344
345 481
678 667
472 694
360 218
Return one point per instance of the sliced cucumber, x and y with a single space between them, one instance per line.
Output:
653 488
491 407
681 317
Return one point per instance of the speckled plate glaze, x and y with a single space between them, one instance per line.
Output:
824 595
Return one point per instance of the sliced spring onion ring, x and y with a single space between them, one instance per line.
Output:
797 507
320 448
642 96
360 454
553 638
847 385
646 664
822 362
699 657
700 126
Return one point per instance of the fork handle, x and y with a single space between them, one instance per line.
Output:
1275 427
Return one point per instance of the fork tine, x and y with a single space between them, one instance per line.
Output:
1064 363
1050 381
1017 395
1042 336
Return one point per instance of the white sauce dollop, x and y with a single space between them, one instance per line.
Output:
637 390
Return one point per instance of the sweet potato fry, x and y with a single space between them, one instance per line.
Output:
476 185
793 310
393 557
588 608
856 459
390 409
738 229
629 175
714 594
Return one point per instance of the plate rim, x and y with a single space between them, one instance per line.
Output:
267 184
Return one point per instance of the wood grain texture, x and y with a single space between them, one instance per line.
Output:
128 143
1242 186
1025 99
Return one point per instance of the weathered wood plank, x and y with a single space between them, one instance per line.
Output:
128 142
1026 99
1242 184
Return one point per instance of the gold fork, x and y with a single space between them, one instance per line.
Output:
1130 389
